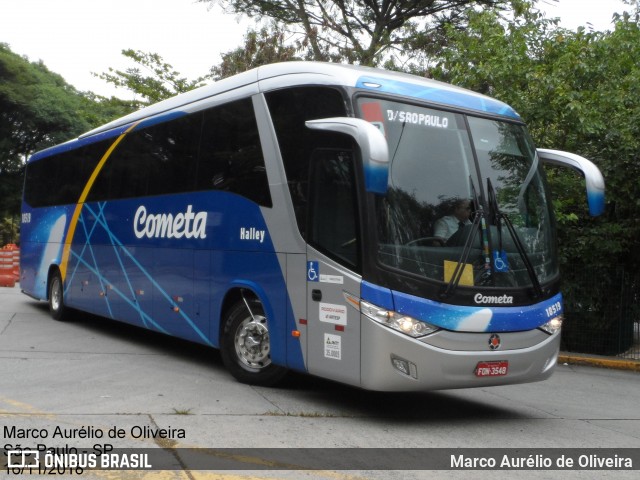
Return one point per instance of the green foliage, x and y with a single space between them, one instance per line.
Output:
260 48
98 110
9 228
39 109
161 80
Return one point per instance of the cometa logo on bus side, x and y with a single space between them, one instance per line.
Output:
166 225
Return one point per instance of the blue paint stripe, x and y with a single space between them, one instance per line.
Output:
445 95
81 142
480 318
77 143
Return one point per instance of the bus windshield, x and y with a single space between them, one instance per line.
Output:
464 192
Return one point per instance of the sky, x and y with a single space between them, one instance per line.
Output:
77 37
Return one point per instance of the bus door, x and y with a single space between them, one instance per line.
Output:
333 236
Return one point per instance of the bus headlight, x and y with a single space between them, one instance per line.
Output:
552 326
402 323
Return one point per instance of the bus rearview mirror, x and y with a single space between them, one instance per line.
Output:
592 175
373 147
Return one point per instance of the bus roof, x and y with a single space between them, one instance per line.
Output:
287 74
298 73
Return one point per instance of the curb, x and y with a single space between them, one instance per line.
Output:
602 362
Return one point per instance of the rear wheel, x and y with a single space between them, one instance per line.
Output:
245 346
56 296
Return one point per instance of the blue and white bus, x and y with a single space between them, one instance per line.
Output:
289 217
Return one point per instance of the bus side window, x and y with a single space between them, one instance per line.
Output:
68 171
332 218
231 155
290 108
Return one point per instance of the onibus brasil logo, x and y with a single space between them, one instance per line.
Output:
73 461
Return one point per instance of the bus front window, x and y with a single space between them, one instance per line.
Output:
436 212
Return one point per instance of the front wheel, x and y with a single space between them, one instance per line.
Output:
56 296
245 346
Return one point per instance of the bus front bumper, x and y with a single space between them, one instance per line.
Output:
392 361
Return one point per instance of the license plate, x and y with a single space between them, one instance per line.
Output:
492 369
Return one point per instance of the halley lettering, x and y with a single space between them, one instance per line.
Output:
252 233
166 225
499 299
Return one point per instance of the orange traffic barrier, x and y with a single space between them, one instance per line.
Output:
7 279
16 264
16 259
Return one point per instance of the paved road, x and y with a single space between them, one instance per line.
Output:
92 375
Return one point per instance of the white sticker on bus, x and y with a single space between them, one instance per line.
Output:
337 279
336 314
332 346
415 118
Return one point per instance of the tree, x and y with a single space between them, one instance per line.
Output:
161 81
363 32
576 90
38 109
98 110
260 48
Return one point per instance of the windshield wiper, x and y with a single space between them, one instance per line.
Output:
464 256
498 216
466 250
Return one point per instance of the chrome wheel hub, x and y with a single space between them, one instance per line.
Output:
252 342
56 294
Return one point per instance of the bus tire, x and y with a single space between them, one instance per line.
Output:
245 347
56 297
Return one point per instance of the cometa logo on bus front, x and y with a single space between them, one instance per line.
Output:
498 299
166 225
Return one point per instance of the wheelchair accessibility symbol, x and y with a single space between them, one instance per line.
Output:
313 272
500 262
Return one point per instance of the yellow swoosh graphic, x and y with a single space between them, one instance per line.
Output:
87 188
